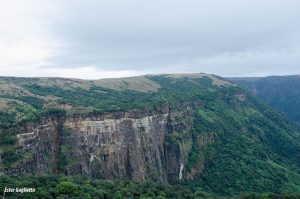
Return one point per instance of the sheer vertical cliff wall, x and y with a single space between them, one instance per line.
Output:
139 145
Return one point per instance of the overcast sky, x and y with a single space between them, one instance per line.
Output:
95 39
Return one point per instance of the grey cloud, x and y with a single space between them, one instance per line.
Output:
230 38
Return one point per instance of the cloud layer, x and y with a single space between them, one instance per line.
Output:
109 38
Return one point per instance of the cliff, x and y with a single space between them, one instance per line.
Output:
130 145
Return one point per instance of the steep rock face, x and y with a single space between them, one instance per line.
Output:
118 147
138 145
38 144
179 143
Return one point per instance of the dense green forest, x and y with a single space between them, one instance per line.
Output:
249 155
79 187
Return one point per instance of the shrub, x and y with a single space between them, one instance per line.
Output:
8 140
9 157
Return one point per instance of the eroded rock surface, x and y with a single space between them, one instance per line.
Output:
138 145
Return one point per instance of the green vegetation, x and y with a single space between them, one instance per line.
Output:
280 92
255 149
97 100
33 101
239 145
8 140
7 119
84 187
9 157
65 187
8 152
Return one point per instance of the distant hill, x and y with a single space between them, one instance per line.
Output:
280 92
